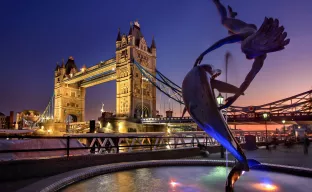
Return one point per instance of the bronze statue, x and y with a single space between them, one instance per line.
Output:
199 84
255 44
200 102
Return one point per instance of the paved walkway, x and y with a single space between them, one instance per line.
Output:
286 156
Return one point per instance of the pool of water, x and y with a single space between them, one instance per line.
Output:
190 179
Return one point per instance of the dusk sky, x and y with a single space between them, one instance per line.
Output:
36 34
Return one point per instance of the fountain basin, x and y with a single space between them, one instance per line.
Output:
180 175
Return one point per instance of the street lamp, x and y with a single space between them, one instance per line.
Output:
283 121
220 99
265 116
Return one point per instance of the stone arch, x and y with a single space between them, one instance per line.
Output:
138 111
70 118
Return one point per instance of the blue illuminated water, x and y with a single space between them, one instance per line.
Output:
190 179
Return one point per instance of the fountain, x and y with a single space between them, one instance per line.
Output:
175 175
192 178
204 175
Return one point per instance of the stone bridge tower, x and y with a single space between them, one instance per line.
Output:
130 86
69 99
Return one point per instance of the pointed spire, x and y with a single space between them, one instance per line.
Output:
63 63
118 36
70 65
57 66
153 43
131 29
136 23
102 110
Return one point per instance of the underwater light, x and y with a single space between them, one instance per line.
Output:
265 186
173 183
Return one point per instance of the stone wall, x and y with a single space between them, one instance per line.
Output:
26 169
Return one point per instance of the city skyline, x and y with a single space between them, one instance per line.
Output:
34 39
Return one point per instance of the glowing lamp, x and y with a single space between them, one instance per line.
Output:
173 184
220 99
283 121
265 187
265 115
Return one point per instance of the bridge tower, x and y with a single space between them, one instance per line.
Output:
69 99
131 88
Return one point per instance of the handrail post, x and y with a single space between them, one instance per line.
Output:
67 147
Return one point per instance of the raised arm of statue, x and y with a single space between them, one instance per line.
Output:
256 67
227 40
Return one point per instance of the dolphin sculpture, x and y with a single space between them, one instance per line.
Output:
200 102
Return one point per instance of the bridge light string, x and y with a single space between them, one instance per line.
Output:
164 85
161 86
47 114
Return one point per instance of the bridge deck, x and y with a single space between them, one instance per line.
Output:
92 71
99 80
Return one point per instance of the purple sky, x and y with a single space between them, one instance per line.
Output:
36 34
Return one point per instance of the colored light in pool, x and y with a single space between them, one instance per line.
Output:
173 183
269 187
265 186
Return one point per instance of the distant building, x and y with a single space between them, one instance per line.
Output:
105 118
2 120
6 122
31 116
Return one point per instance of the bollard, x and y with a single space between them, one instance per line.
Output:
67 146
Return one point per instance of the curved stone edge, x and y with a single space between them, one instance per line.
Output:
90 172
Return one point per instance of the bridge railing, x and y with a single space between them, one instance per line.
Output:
110 143
257 117
166 119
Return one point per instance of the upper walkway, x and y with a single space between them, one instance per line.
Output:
243 119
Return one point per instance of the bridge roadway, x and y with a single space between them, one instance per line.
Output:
243 119
97 74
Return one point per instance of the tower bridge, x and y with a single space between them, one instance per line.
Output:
134 70
71 83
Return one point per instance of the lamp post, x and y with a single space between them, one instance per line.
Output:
283 121
265 116
220 99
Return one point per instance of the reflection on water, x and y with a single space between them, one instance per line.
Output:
189 179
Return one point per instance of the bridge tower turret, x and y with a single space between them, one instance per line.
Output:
118 40
69 99
131 87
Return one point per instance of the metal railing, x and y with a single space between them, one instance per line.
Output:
114 143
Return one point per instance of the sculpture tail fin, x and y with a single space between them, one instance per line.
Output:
252 162
238 169
231 12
